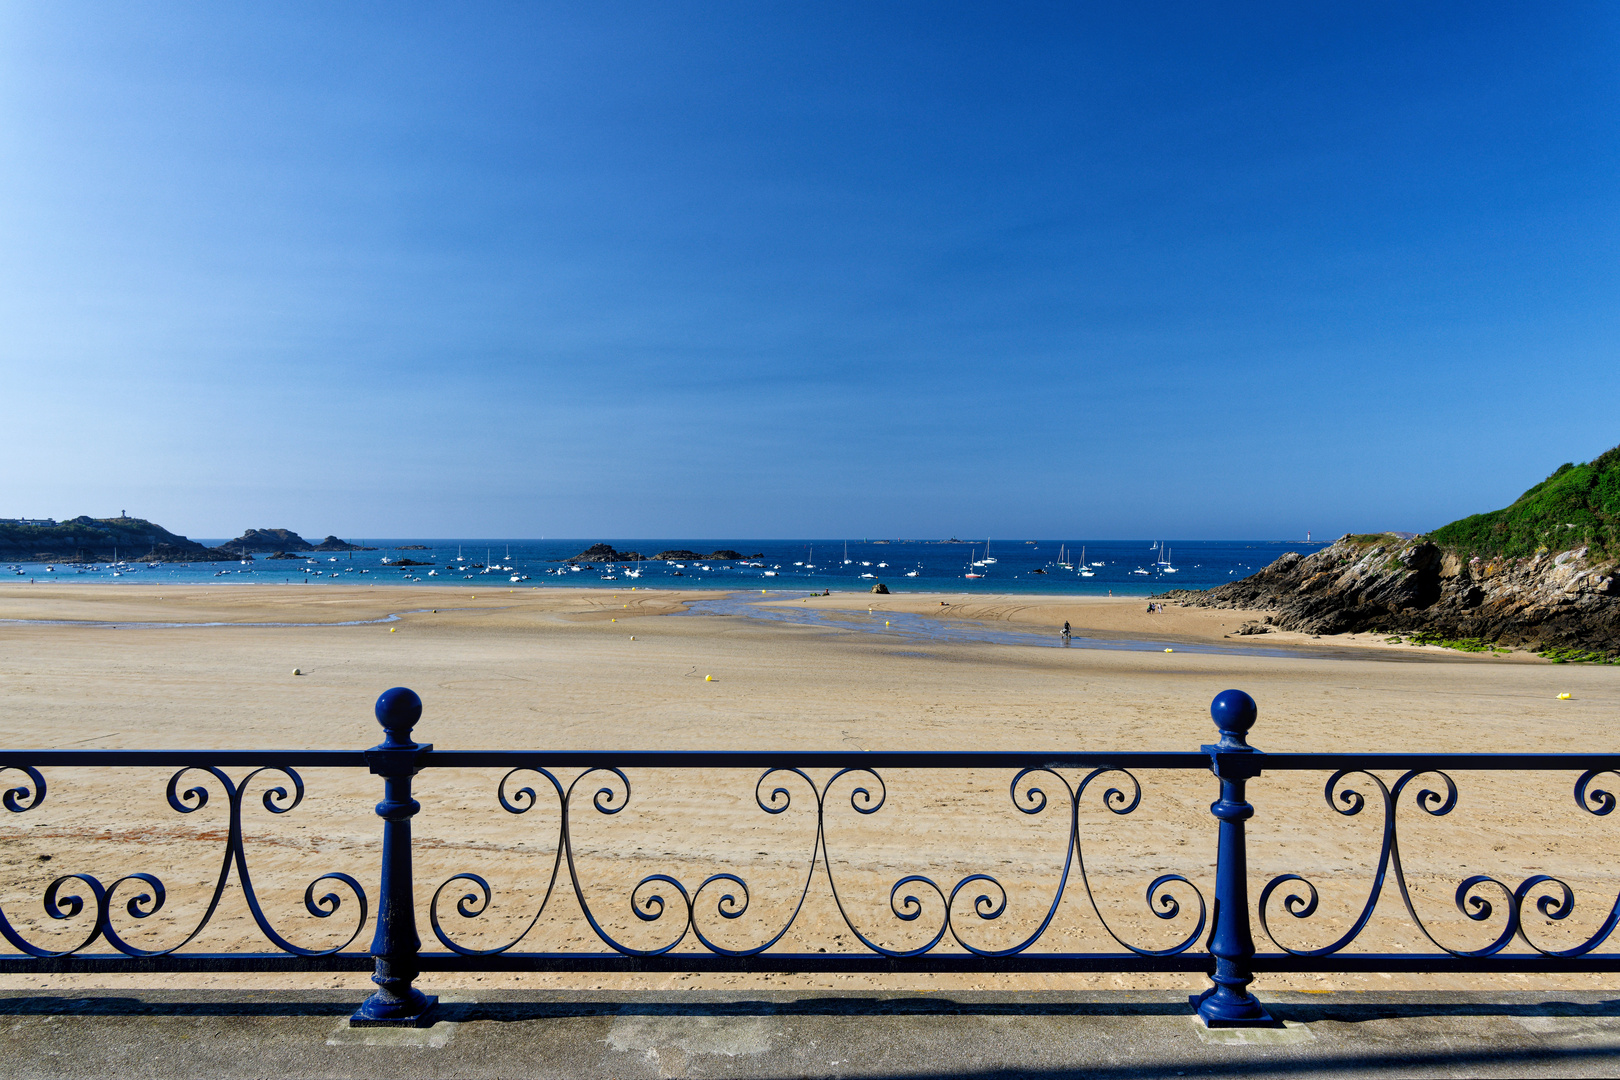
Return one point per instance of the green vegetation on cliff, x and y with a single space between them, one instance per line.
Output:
1577 505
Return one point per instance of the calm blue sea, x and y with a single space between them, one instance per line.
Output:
1120 567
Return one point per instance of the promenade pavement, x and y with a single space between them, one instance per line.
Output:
162 1034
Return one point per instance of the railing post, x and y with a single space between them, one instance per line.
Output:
1228 1003
395 945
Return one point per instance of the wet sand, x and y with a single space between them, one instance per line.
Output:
1113 618
556 668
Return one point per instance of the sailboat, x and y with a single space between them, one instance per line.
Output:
1085 571
987 559
1165 565
846 552
972 564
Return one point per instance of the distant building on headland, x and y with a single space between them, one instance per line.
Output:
44 523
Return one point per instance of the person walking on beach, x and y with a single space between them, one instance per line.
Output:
1065 627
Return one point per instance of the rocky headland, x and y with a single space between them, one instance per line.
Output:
85 540
1541 574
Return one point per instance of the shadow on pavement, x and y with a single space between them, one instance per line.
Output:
519 1009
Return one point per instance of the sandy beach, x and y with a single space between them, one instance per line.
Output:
94 667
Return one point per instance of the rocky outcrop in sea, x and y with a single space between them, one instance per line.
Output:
604 553
269 540
332 543
286 541
1563 600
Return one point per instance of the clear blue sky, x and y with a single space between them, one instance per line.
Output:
602 269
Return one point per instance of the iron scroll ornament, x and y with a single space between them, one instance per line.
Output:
773 795
1467 897
145 904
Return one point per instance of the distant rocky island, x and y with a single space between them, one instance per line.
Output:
285 541
605 553
1543 574
85 540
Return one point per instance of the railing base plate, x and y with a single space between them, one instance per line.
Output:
417 1020
1255 1016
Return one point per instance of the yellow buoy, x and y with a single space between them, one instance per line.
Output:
708 678
615 620
885 622
1563 697
393 629
1169 650
435 611
297 672
632 637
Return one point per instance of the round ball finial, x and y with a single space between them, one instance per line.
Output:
1233 712
398 710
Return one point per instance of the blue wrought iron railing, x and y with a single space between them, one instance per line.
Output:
1040 783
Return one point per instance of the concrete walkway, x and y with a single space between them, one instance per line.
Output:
787 1034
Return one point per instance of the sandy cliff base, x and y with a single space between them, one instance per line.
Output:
558 669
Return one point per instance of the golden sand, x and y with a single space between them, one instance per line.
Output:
557 668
